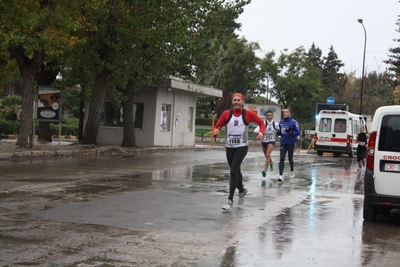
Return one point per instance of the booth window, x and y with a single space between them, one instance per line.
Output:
165 118
114 117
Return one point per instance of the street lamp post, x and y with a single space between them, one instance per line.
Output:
363 67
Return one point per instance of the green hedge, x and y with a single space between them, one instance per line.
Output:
68 127
8 127
205 121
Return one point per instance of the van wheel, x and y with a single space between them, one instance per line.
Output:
370 212
336 154
319 153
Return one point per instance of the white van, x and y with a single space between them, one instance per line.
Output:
336 132
382 172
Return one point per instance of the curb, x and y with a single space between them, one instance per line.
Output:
62 137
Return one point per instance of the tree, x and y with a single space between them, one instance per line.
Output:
379 91
28 36
315 57
128 44
269 73
394 63
394 57
332 80
297 85
235 70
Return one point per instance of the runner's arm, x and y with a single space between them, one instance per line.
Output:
223 119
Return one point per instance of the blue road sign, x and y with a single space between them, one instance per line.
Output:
330 100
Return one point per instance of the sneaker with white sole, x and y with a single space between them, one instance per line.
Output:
291 174
264 173
228 205
280 178
271 165
242 195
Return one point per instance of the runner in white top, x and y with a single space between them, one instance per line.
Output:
268 142
236 121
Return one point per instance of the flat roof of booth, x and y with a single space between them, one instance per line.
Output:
179 84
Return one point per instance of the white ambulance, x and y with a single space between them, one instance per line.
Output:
336 132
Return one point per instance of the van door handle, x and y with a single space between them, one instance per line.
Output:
333 135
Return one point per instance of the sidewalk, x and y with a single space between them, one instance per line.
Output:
62 148
58 148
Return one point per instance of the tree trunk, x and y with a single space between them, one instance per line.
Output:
95 107
81 119
26 123
129 124
28 69
44 131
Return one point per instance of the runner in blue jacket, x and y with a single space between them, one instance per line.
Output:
289 131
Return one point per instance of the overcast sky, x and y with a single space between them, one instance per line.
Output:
280 24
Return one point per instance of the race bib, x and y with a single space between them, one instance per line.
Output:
268 137
234 139
361 143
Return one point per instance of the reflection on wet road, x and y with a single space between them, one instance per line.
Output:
325 228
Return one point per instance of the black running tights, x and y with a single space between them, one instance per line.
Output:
235 157
289 148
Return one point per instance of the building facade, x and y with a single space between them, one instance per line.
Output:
164 115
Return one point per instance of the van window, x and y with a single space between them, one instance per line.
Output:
340 126
356 126
325 125
389 136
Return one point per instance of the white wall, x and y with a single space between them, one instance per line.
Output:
179 134
260 109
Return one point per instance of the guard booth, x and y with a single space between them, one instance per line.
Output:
164 115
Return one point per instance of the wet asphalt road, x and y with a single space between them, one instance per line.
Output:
164 209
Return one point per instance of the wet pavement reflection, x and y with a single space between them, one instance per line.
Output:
165 210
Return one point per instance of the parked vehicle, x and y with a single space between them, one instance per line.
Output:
382 173
336 132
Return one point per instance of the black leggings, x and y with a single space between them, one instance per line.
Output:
361 152
235 157
289 148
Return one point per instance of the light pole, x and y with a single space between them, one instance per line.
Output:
363 66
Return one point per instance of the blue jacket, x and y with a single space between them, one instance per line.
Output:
288 130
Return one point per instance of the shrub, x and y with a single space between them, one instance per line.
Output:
8 127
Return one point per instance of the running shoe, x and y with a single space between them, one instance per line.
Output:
264 173
292 174
242 195
271 165
280 178
228 205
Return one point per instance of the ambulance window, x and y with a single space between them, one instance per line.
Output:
325 125
389 136
340 126
356 127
